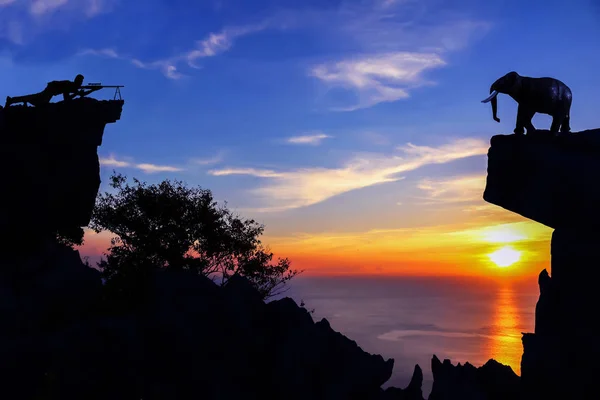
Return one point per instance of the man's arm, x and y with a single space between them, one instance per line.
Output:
83 92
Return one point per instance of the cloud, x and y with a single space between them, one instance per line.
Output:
378 78
152 168
409 25
461 189
260 173
308 186
507 232
90 8
112 161
209 161
38 8
212 45
391 44
165 66
21 21
145 167
314 139
217 43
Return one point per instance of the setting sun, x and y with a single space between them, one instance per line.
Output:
505 256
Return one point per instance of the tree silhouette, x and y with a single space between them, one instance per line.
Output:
70 236
169 225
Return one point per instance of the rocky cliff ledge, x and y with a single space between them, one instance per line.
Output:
49 155
554 181
551 180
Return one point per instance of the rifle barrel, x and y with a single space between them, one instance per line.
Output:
101 86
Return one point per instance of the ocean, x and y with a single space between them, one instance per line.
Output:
410 319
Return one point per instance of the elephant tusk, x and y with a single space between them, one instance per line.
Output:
494 94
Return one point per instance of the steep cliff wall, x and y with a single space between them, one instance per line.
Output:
554 181
50 164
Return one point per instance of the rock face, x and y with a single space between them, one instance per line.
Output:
50 156
552 180
491 381
546 178
565 347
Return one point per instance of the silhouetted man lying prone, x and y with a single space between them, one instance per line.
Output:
69 89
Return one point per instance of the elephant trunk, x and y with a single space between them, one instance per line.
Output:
494 103
495 109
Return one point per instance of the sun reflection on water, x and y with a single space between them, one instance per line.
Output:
504 343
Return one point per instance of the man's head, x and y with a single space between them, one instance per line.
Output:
78 80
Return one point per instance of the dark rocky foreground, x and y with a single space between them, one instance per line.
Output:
184 337
187 338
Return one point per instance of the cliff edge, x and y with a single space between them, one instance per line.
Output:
50 157
545 178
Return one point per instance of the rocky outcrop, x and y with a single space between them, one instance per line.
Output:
545 178
50 157
491 381
552 180
413 391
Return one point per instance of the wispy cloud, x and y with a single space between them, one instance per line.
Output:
37 8
21 21
396 43
308 186
152 168
112 161
260 173
461 189
312 139
145 167
212 45
165 66
209 160
461 193
380 78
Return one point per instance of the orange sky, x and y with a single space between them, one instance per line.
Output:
460 245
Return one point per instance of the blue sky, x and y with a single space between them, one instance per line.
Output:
303 113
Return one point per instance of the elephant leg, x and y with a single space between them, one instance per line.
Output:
556 123
524 117
565 127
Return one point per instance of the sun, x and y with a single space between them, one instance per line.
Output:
505 257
